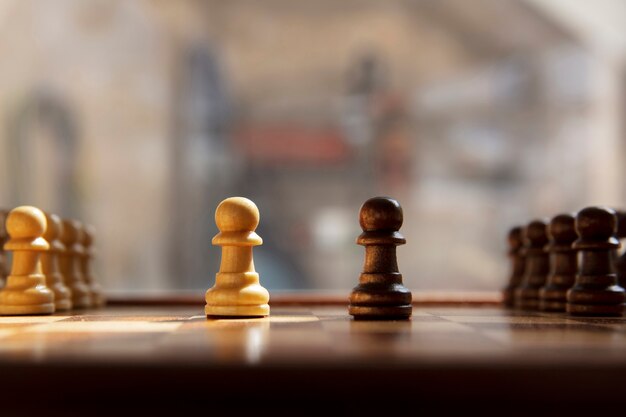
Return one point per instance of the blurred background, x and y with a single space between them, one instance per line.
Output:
141 116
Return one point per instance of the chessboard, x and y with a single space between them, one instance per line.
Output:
160 356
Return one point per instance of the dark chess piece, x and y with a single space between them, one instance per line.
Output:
518 264
537 266
563 263
596 292
380 294
620 261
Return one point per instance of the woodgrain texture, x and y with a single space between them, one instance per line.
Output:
168 359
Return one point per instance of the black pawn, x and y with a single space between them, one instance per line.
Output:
537 266
620 261
563 263
380 294
596 292
518 264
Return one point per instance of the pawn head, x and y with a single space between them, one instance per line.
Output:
621 224
80 232
237 214
69 232
54 226
88 233
380 213
516 237
26 222
536 233
3 220
596 223
562 229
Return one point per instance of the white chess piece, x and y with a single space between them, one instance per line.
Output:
69 260
50 264
237 291
25 292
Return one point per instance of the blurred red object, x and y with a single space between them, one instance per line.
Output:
286 144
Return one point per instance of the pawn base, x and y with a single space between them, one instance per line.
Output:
528 304
261 310
610 310
62 305
402 312
99 301
81 302
508 297
527 298
26 310
552 305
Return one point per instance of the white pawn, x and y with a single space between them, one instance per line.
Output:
69 261
237 292
50 264
4 267
95 289
25 291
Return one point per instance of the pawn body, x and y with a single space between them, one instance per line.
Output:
518 264
4 268
596 292
536 268
620 261
25 292
563 263
86 267
50 264
69 261
237 291
380 293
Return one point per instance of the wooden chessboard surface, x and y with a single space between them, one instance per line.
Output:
311 351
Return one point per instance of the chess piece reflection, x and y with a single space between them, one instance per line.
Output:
596 292
518 263
240 340
563 263
86 266
380 294
237 291
50 264
70 264
380 337
25 291
537 266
